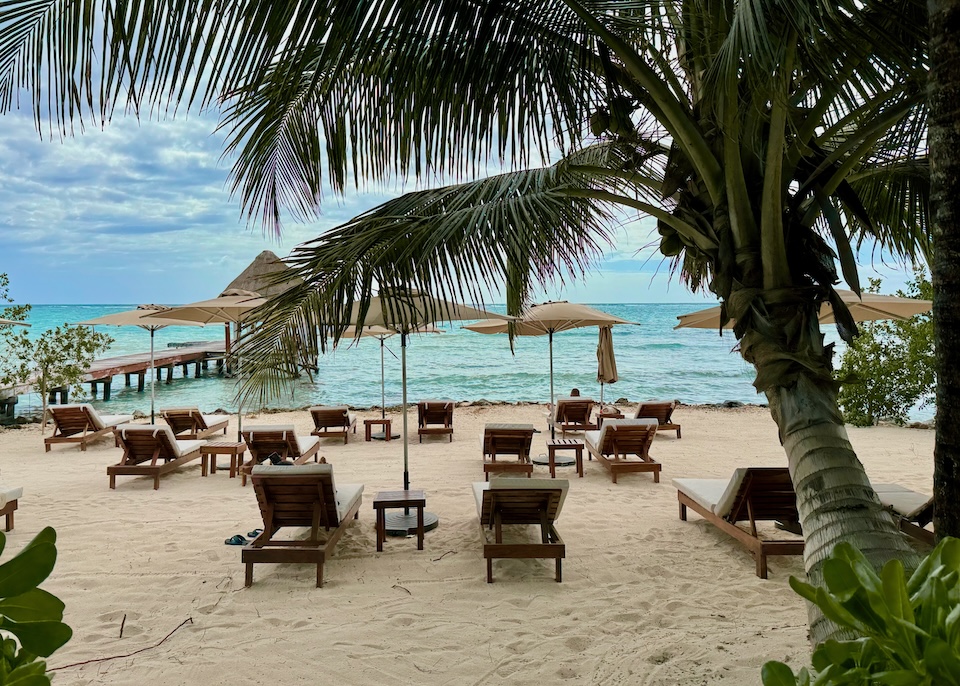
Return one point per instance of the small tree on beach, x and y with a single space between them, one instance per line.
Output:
17 313
767 138
888 369
58 357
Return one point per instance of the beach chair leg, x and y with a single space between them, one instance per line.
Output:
656 477
83 446
319 575
156 482
9 526
678 432
113 481
683 512
489 570
46 447
559 570
761 564
248 577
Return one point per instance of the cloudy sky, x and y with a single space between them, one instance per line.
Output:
141 212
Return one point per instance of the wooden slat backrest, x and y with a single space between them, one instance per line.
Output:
501 441
767 494
330 417
574 411
661 411
435 413
520 506
294 500
143 445
628 439
262 443
185 419
72 420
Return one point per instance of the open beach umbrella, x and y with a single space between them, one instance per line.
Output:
151 318
232 307
870 307
405 313
606 362
11 322
547 319
381 333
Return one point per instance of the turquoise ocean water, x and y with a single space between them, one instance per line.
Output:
654 361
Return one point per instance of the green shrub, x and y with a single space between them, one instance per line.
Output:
889 367
30 614
910 628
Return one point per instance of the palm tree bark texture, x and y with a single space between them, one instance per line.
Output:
945 220
766 139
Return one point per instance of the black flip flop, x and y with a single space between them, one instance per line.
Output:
254 533
236 539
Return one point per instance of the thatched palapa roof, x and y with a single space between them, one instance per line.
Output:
260 276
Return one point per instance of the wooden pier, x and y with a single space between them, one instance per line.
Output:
101 372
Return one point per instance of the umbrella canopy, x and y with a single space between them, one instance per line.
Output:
5 322
151 318
232 307
606 362
261 276
870 307
547 319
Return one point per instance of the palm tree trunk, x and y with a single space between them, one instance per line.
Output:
834 497
944 140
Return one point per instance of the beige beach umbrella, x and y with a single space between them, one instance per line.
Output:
869 307
547 319
606 362
405 312
382 333
233 307
151 318
12 322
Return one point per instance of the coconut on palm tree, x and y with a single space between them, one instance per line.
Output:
767 139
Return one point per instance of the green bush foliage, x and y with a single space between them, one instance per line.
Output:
32 615
889 367
910 628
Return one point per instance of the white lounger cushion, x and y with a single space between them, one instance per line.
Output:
568 399
8 494
901 500
716 495
100 421
516 484
180 448
214 419
347 494
596 438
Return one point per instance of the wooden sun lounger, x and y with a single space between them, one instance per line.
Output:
662 411
9 501
151 450
81 424
189 423
912 510
753 494
572 414
301 496
535 502
282 439
507 439
619 438
435 412
333 421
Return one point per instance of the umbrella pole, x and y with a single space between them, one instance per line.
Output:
601 393
153 379
553 407
383 383
403 366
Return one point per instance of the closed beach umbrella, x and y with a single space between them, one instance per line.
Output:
606 362
869 307
151 318
11 322
547 319
405 312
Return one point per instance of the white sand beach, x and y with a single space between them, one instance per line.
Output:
645 597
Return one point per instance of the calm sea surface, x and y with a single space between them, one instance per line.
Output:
654 361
